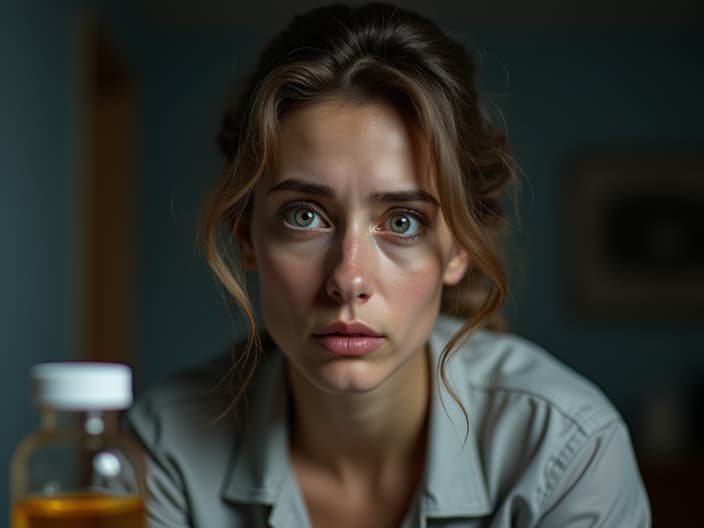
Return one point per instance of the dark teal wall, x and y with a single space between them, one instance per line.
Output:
183 318
39 95
576 90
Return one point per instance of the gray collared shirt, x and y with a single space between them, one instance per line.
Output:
544 447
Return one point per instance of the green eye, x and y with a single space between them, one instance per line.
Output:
403 224
302 217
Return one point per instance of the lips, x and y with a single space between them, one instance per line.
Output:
348 339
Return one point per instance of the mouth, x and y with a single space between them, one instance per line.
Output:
348 339
346 329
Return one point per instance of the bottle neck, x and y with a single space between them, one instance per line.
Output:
93 422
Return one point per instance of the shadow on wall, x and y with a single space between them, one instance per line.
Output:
633 233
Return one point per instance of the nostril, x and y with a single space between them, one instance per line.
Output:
336 294
354 293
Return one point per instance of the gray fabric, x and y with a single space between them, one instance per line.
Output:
545 448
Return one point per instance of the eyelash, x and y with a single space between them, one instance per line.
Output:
416 215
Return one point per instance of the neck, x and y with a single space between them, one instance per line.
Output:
363 433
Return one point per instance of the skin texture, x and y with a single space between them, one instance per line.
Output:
346 227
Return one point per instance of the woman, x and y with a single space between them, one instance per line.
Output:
363 185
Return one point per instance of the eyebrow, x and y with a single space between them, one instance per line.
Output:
404 196
303 187
317 189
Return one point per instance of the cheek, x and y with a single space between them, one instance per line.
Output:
414 269
415 303
285 278
414 286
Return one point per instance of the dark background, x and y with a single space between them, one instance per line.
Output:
577 82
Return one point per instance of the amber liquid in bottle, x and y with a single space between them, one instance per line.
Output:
83 510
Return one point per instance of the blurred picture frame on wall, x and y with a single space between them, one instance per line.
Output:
633 232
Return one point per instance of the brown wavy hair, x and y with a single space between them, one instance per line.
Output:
377 52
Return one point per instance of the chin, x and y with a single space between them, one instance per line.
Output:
346 378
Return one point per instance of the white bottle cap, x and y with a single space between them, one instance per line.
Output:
82 385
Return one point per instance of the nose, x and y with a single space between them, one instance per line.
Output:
350 278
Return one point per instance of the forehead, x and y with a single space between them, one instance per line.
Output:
345 143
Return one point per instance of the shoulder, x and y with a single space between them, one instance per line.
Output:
508 367
186 436
548 438
197 403
194 439
188 403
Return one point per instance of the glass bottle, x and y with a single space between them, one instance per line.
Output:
78 470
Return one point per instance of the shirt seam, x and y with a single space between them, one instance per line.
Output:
579 419
566 458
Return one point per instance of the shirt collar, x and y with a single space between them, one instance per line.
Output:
260 470
260 464
454 481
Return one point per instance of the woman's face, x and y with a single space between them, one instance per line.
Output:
350 245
